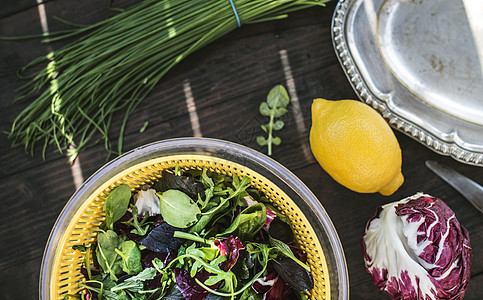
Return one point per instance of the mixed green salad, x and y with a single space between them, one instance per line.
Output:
193 235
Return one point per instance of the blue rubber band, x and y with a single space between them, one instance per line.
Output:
236 14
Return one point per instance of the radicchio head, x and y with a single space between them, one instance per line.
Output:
415 248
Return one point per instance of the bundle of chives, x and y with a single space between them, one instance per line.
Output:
114 64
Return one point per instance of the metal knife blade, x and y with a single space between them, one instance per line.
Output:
467 187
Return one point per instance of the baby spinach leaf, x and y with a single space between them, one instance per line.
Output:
116 204
248 222
161 239
131 257
274 107
106 254
178 209
186 184
292 273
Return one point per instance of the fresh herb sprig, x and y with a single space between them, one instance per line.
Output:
274 107
113 65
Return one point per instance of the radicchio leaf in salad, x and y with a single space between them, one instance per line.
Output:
415 248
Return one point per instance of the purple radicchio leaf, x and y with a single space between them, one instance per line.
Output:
298 253
415 248
230 247
270 217
263 285
190 289
279 290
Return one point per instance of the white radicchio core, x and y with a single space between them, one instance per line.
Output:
415 248
147 202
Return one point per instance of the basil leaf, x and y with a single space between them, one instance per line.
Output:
116 204
178 209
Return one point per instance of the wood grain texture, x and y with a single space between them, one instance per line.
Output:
228 79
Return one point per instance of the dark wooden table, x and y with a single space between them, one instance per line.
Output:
228 79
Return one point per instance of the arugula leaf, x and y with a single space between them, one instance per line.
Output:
240 187
274 107
284 249
178 209
138 226
210 187
104 283
116 204
135 283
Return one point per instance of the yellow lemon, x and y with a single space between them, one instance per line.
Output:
355 145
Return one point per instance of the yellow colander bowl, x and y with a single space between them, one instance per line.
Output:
60 272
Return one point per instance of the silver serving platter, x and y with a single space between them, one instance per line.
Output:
420 64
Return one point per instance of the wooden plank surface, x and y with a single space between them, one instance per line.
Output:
228 80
